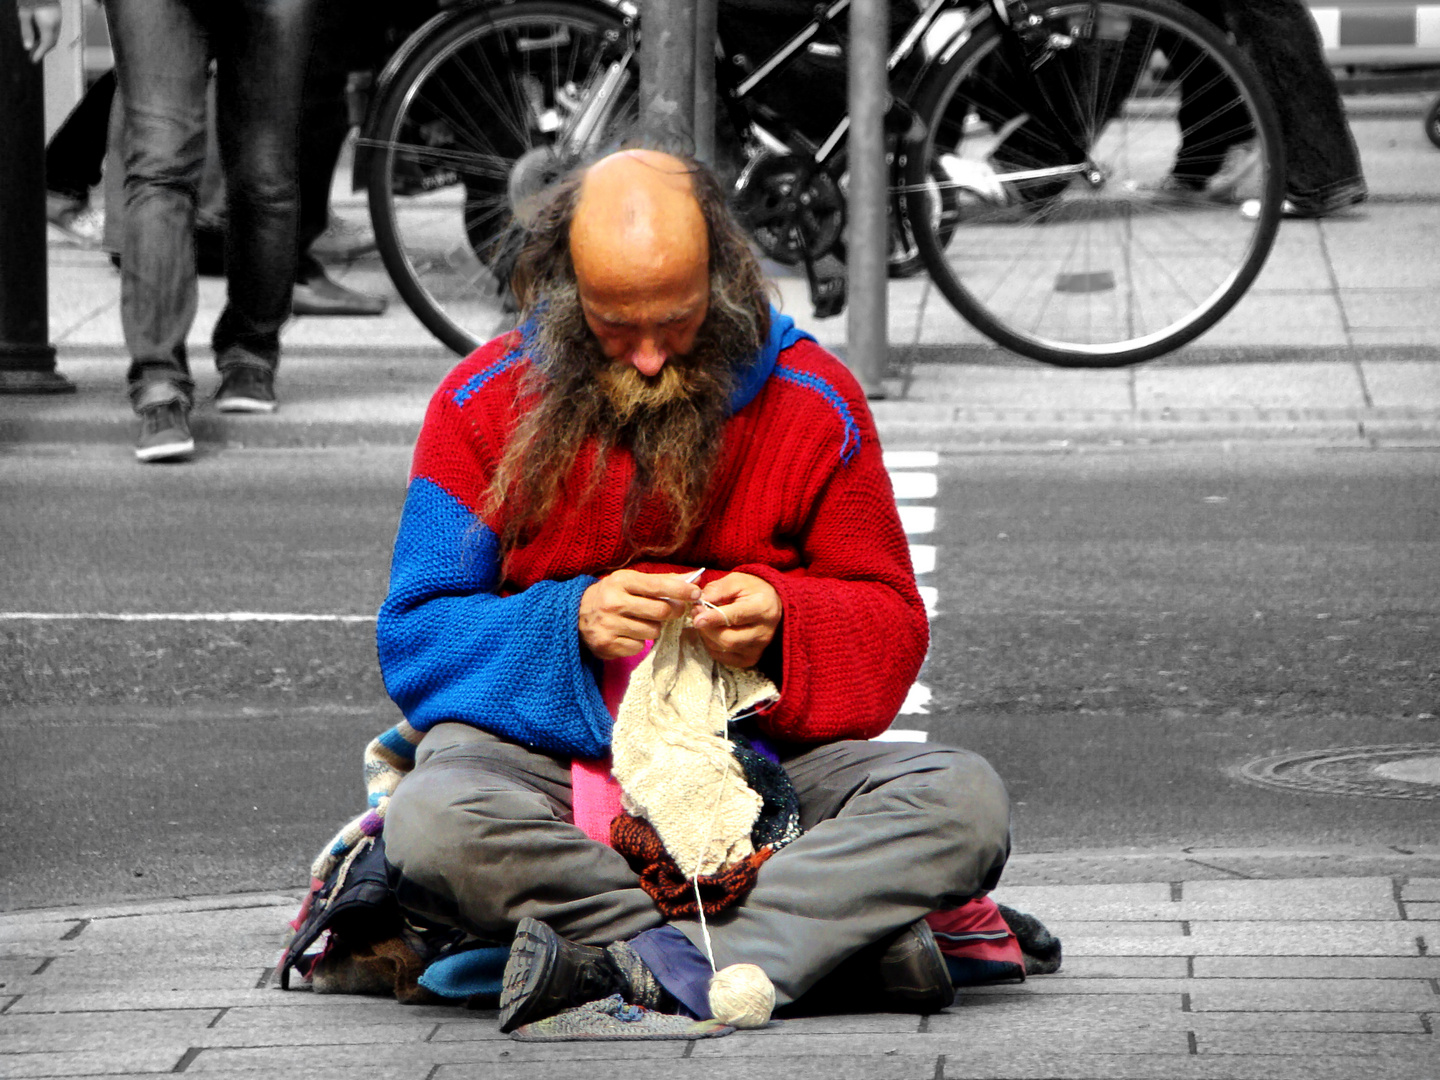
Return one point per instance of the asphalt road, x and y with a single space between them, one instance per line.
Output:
1116 631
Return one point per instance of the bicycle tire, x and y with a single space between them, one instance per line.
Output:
1102 267
471 127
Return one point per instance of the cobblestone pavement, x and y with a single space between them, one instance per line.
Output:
1211 976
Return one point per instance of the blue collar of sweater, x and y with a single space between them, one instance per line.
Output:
750 376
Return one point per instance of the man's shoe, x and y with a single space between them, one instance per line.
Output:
343 240
318 295
1301 208
913 975
245 388
164 424
547 974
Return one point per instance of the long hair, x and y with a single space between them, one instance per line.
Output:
674 444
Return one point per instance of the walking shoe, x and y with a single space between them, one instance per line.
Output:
164 424
913 975
319 295
547 974
246 388
1305 208
342 240
1241 164
78 219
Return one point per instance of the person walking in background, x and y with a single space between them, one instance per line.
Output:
1322 165
163 50
347 39
39 27
74 164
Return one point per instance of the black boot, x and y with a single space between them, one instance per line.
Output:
547 974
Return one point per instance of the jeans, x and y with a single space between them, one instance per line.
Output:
1281 40
163 50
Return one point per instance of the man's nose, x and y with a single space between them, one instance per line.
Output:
647 356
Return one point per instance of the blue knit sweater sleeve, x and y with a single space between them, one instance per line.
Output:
452 649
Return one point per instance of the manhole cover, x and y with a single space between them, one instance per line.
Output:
1383 772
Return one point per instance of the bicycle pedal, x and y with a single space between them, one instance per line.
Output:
828 286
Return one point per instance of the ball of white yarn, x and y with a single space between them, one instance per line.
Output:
742 995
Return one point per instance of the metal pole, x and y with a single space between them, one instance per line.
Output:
707 13
27 359
65 67
868 237
667 73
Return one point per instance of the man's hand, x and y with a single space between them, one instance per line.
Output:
39 27
753 610
623 610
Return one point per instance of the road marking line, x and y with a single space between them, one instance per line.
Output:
922 556
902 735
179 616
917 701
917 519
914 485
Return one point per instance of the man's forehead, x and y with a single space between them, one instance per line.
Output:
638 225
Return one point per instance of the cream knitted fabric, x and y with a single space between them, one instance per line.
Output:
671 755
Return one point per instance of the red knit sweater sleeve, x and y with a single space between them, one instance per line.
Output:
854 630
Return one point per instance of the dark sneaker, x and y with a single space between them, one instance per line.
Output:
913 975
164 426
245 388
547 974
1306 208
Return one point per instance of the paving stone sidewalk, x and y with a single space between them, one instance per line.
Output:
1220 978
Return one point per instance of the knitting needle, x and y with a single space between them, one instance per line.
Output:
691 579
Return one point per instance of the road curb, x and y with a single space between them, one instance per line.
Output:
1081 867
900 425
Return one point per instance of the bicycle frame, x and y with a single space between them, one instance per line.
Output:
829 148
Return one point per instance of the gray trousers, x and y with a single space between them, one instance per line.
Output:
482 835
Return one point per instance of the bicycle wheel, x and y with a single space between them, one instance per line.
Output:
482 117
1088 215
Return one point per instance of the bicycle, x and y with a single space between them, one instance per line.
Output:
1033 162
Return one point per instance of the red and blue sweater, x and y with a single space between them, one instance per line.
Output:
800 497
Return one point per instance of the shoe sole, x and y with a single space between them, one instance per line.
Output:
532 960
166 451
245 405
316 311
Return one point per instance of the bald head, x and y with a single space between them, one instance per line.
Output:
640 248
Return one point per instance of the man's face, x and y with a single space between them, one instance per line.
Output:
644 321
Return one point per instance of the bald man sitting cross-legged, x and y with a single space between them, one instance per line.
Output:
653 418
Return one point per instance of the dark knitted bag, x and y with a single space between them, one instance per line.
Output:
355 903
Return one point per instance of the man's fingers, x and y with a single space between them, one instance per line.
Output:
657 586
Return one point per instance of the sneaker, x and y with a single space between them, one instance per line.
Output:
342 240
246 388
1302 208
76 218
1240 167
164 425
